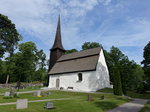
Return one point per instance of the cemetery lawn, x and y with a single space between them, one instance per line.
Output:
129 93
77 102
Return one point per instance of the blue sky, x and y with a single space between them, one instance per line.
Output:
121 23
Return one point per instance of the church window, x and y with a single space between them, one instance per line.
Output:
80 77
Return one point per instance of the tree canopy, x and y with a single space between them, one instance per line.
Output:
130 73
89 45
9 36
71 51
146 63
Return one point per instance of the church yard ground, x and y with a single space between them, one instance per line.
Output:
78 102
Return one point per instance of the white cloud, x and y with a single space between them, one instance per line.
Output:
38 18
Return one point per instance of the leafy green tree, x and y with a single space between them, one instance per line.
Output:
9 36
89 45
3 70
126 68
117 86
40 73
137 80
27 60
71 51
29 64
2 51
146 63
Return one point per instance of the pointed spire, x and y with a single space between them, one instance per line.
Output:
58 42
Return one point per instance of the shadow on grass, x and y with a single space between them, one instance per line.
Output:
106 105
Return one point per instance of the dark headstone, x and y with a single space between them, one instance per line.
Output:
49 105
90 98
102 97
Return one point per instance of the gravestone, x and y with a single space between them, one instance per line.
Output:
90 98
37 93
49 93
12 93
102 97
7 94
49 105
44 94
22 104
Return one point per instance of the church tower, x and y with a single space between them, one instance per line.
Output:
57 49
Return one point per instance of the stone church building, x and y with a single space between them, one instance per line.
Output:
80 71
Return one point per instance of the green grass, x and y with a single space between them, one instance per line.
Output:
137 95
129 93
146 107
2 90
78 102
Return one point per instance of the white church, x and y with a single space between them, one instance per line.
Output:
79 71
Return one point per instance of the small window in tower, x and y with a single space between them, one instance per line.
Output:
79 77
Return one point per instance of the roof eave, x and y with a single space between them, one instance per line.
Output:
72 72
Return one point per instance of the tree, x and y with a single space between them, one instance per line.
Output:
129 79
137 80
25 63
9 36
40 73
117 86
89 45
71 51
146 63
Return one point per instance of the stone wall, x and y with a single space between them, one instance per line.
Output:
22 85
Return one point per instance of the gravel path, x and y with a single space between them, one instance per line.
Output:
133 106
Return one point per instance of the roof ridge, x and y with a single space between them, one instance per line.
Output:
84 50
80 54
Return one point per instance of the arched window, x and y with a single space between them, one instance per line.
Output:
79 76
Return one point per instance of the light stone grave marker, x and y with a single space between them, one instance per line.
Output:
7 93
37 93
22 104
49 105
49 93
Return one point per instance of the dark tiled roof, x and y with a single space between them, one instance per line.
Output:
80 54
76 62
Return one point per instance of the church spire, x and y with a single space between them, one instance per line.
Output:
57 49
58 42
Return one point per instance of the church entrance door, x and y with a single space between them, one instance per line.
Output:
57 83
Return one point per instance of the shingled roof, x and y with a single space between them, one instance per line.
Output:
85 60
